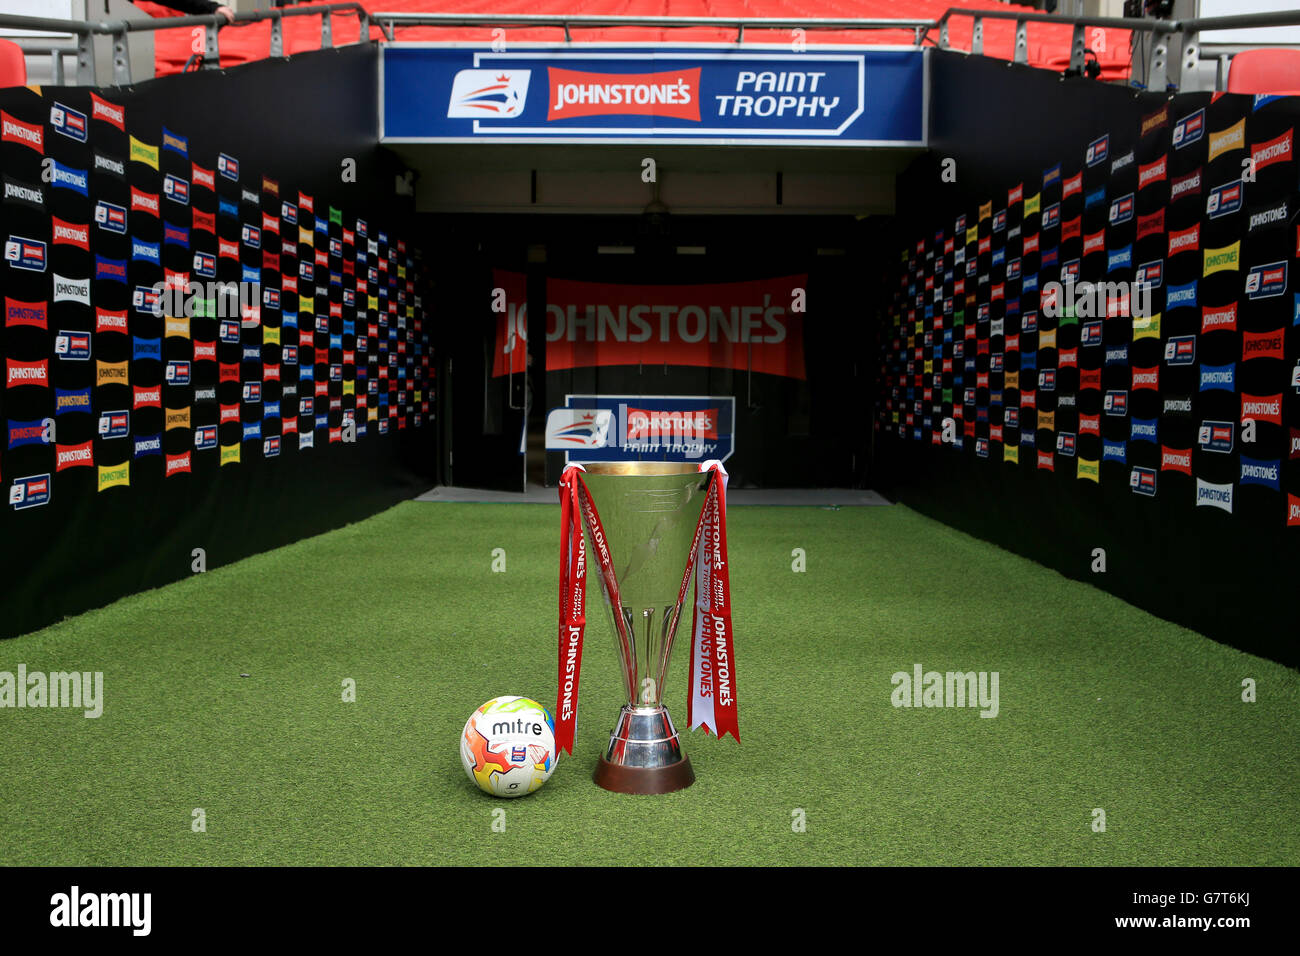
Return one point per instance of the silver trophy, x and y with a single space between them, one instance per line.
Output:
649 512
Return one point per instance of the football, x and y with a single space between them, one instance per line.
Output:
508 746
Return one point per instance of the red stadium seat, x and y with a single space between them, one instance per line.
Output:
1265 71
13 64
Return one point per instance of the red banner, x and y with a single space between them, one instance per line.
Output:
739 325
510 305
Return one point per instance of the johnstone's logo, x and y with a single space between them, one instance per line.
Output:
1214 496
24 253
488 94
1265 281
1189 129
30 492
68 122
1142 481
1097 152
674 93
1216 436
1224 199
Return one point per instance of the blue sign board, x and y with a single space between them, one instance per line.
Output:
679 428
608 94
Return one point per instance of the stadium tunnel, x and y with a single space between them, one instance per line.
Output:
899 215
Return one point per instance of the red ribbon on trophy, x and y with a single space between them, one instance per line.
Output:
711 701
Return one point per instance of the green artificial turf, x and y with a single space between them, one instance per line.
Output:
1101 706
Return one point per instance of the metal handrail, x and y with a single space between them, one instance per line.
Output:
86 30
388 22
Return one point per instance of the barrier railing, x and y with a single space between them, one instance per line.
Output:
1164 70
1177 37
85 31
389 22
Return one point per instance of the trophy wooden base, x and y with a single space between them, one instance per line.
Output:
620 779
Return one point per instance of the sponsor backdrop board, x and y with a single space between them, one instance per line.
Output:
702 95
761 322
1092 354
214 341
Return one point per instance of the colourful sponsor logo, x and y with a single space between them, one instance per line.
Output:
1180 350
1146 378
1176 459
38 432
1227 140
1216 436
114 424
1266 281
1256 345
110 217
1152 172
1185 240
176 235
31 135
1266 473
1223 258
1213 495
68 122
146 300
1277 150
74 456
1220 377
1224 200
114 476
1218 318
30 492
73 346
1143 429
33 314
1189 129
1142 481
111 113
111 373
22 253
144 202
178 464
74 400
176 418
1261 408
1187 185
1097 151
141 152
147 396
27 373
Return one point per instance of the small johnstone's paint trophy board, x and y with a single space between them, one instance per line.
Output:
649 527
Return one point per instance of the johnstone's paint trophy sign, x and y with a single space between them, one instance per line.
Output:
720 95
680 428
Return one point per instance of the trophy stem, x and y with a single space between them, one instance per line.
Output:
644 755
